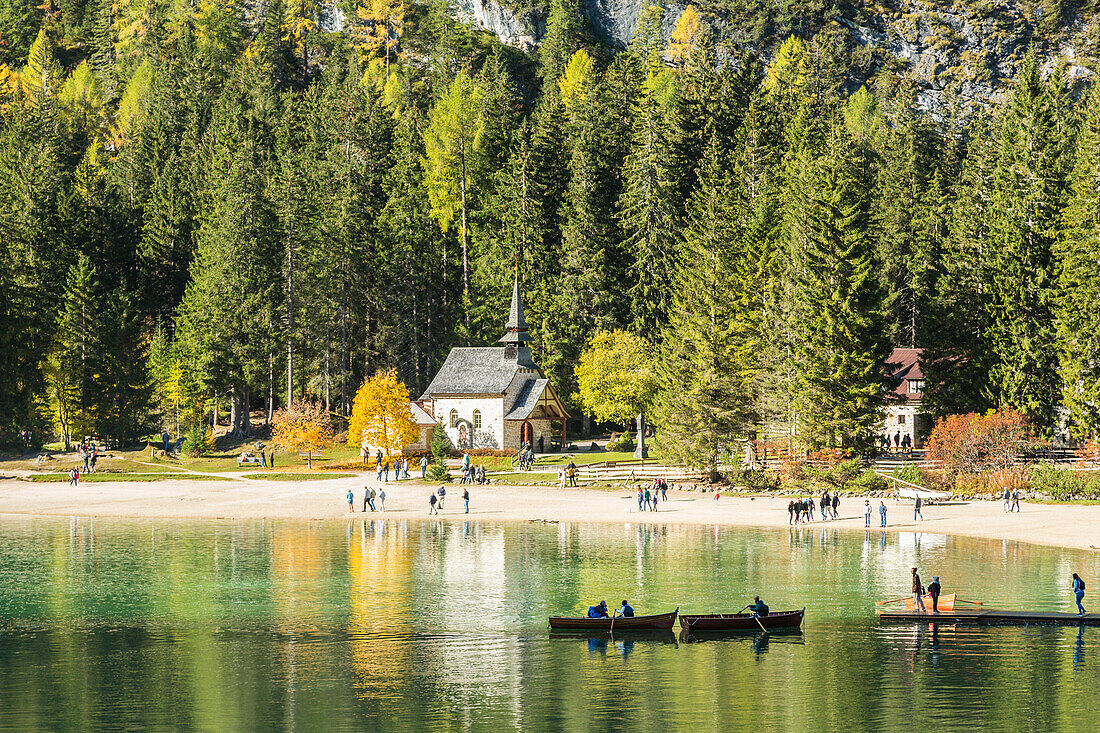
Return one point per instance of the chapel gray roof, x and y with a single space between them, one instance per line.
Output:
527 399
478 370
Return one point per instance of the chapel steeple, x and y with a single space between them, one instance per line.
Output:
515 330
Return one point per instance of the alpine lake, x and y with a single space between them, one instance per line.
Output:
387 624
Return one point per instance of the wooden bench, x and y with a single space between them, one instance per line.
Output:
308 456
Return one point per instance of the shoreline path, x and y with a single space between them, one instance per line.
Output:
1060 525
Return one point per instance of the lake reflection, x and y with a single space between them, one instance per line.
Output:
395 625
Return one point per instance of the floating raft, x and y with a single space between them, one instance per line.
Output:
990 616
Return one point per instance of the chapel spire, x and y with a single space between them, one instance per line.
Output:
515 330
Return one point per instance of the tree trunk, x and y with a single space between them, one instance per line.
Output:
234 412
465 255
640 451
246 411
270 389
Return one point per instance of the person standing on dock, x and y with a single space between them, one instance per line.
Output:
934 592
918 594
882 513
867 513
1079 593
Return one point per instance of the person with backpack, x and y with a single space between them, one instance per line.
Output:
442 495
1079 593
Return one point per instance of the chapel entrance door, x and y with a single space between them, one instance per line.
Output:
463 437
526 433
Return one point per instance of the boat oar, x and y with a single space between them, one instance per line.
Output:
757 619
892 600
612 629
973 603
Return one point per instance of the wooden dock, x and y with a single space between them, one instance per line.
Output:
986 617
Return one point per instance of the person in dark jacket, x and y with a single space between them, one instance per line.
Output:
626 610
598 611
934 592
758 607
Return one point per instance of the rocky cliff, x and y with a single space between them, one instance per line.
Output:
967 48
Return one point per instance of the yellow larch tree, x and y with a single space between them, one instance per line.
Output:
685 36
575 81
304 427
383 26
380 415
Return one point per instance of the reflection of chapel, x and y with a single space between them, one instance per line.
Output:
496 396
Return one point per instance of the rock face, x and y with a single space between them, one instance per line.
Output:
965 48
523 30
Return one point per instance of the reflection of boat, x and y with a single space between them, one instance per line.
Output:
742 621
759 640
618 623
645 636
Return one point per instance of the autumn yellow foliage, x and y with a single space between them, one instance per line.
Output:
304 426
380 415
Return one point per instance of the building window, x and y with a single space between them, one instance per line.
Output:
477 419
901 419
454 418
916 386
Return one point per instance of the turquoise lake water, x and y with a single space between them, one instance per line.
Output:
112 624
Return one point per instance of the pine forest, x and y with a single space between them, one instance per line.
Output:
213 207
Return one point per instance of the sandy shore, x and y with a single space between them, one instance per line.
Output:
241 498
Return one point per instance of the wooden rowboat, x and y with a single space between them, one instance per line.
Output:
621 623
742 621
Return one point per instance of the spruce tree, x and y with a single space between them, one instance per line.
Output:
1077 307
840 346
1026 197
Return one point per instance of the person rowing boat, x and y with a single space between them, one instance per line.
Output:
758 607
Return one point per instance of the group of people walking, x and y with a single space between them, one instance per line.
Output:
369 495
802 510
648 497
437 497
1011 500
400 468
567 476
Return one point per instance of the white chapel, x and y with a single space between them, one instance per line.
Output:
495 396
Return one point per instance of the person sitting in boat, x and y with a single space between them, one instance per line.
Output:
758 607
627 611
598 611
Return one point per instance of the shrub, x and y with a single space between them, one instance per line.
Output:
973 443
1057 483
911 473
438 473
867 481
622 442
198 442
758 480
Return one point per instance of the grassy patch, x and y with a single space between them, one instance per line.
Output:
101 477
